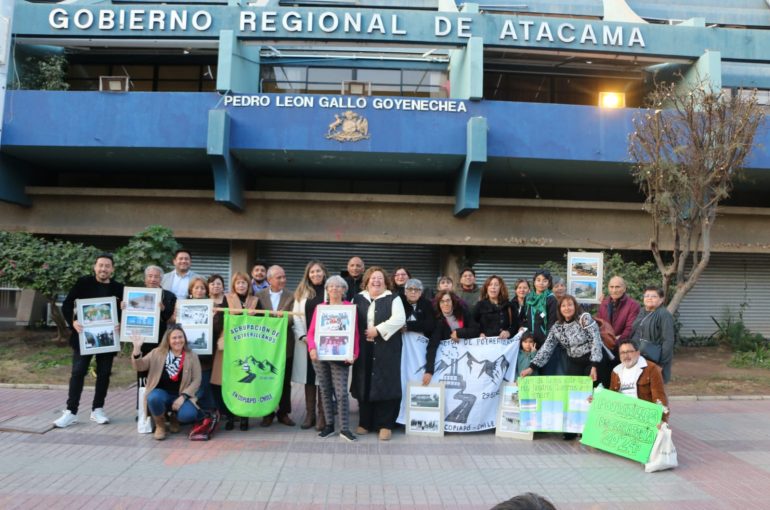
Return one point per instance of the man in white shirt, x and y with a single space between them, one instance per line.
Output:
178 280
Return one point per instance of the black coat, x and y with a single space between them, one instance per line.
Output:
86 288
423 319
442 331
377 371
354 285
492 318
519 313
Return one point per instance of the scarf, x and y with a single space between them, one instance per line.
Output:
537 307
174 365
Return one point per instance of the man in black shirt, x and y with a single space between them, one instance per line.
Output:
100 284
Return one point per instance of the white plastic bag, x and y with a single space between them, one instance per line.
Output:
143 422
663 455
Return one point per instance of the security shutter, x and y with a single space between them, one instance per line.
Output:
512 263
421 261
732 281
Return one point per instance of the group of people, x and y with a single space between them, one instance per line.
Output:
557 337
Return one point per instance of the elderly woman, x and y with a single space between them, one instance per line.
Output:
541 308
174 375
559 287
309 294
332 376
493 311
377 371
653 329
453 321
198 288
418 310
579 336
239 299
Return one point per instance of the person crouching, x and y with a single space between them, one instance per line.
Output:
174 376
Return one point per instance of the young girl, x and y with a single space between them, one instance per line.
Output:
527 352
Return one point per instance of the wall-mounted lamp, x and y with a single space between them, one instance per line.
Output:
612 100
113 83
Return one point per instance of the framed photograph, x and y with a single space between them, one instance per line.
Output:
425 409
334 332
99 318
195 316
585 272
509 414
141 315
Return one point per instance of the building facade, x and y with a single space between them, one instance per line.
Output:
421 132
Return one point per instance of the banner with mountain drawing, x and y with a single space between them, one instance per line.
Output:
473 371
253 363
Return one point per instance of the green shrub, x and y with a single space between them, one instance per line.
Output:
733 333
758 358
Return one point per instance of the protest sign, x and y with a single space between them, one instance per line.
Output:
554 403
472 371
622 425
253 364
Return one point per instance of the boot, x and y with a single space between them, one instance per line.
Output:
173 423
310 402
160 427
321 415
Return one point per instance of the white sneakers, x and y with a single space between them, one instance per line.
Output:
66 419
99 417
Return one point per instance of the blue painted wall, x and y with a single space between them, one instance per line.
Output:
179 120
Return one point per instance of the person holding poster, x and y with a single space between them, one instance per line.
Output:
309 294
454 322
239 299
332 376
278 300
174 376
377 371
100 284
579 336
638 377
419 313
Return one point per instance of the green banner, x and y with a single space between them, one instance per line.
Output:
622 425
554 403
254 363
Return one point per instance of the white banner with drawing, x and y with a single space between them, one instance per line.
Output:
473 371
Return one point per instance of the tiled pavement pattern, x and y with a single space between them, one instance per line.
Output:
723 445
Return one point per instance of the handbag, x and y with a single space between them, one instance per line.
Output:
204 429
650 350
143 422
663 454
607 333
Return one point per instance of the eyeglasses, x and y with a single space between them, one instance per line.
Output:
413 289
626 352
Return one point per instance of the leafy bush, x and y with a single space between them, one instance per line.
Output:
759 358
155 245
732 332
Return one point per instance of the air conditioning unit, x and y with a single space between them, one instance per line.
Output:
356 88
113 83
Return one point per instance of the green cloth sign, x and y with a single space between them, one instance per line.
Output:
253 364
622 425
554 403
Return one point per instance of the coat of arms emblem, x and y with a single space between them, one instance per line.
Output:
348 127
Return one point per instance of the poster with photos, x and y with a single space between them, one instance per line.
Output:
99 318
196 318
585 271
425 409
335 332
509 414
141 314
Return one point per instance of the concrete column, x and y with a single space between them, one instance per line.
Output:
241 256
237 65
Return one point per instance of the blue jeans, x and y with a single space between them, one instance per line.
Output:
159 402
205 395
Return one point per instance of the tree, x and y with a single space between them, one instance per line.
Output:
30 262
688 147
155 245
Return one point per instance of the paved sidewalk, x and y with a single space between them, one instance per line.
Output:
723 446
